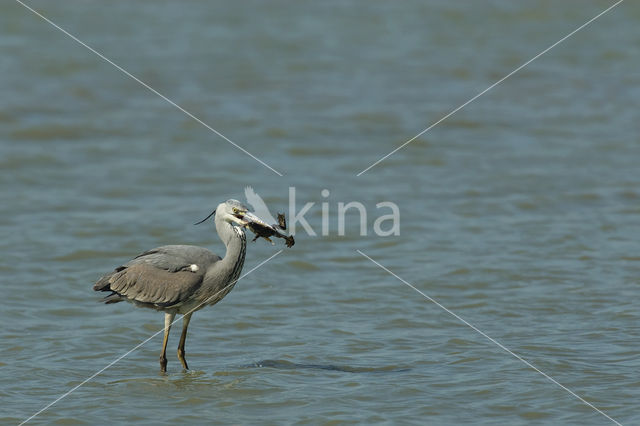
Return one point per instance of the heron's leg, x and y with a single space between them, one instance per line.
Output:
168 319
183 337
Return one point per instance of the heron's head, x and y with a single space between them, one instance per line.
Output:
232 211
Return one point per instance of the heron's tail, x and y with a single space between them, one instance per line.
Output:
104 284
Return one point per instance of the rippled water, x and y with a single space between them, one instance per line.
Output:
520 213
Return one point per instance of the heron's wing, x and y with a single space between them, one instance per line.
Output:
145 283
176 257
164 276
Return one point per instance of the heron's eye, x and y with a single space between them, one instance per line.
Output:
236 211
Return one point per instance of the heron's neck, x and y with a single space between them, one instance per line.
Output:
236 242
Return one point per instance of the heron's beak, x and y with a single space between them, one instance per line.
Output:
245 218
238 219
249 217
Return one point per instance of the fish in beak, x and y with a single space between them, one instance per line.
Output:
264 230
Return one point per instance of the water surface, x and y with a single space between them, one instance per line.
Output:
521 213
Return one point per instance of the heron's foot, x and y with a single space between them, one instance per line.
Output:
182 359
163 364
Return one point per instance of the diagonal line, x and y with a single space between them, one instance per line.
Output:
492 86
133 77
85 381
492 340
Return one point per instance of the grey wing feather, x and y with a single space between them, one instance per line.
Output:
176 257
148 284
164 276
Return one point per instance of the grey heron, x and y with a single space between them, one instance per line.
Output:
181 279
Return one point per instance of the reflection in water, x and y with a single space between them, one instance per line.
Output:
288 365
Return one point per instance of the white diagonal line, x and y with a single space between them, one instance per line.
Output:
133 77
491 87
73 389
492 340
